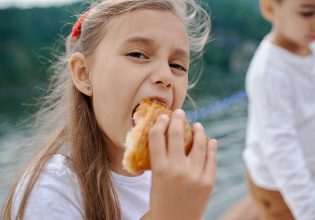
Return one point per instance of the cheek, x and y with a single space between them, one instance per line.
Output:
180 93
112 94
297 27
102 105
109 113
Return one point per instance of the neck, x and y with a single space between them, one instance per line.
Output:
289 45
116 154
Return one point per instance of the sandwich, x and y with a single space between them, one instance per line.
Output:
137 157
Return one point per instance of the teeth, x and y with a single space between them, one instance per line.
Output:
157 101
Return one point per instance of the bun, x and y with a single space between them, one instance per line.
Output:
136 157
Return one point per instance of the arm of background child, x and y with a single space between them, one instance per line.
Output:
281 146
244 209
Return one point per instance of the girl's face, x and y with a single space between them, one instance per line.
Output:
144 54
294 23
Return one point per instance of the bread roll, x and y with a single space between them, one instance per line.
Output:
136 157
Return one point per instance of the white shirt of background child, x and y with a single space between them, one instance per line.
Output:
280 145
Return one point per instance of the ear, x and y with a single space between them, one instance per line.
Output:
80 74
266 9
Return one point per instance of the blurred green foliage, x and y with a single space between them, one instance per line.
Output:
233 24
28 39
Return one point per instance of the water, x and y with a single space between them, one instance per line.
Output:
229 128
227 125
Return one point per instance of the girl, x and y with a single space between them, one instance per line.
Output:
118 53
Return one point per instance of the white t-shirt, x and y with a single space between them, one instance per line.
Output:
57 194
280 145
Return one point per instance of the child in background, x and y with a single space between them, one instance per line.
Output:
280 152
118 53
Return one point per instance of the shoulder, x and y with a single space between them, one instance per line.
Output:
270 66
57 172
59 165
56 193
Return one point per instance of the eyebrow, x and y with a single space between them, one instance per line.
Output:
312 6
149 42
142 40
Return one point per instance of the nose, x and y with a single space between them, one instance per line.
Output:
162 77
164 83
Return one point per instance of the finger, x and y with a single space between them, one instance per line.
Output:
211 161
199 149
157 142
175 135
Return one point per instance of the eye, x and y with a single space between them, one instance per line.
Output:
138 55
307 14
178 66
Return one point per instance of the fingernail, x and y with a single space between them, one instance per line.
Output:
214 142
198 125
163 117
179 112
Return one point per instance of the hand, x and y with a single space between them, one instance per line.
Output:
181 185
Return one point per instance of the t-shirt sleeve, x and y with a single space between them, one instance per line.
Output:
56 194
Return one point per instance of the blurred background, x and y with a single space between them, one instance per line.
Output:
31 35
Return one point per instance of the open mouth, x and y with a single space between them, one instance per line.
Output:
133 113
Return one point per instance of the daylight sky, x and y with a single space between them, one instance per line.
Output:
32 3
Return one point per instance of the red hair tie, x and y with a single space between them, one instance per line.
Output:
76 29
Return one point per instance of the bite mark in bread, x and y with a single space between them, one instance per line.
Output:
136 157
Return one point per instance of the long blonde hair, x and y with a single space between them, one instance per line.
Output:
66 115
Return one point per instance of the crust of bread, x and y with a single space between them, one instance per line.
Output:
136 157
